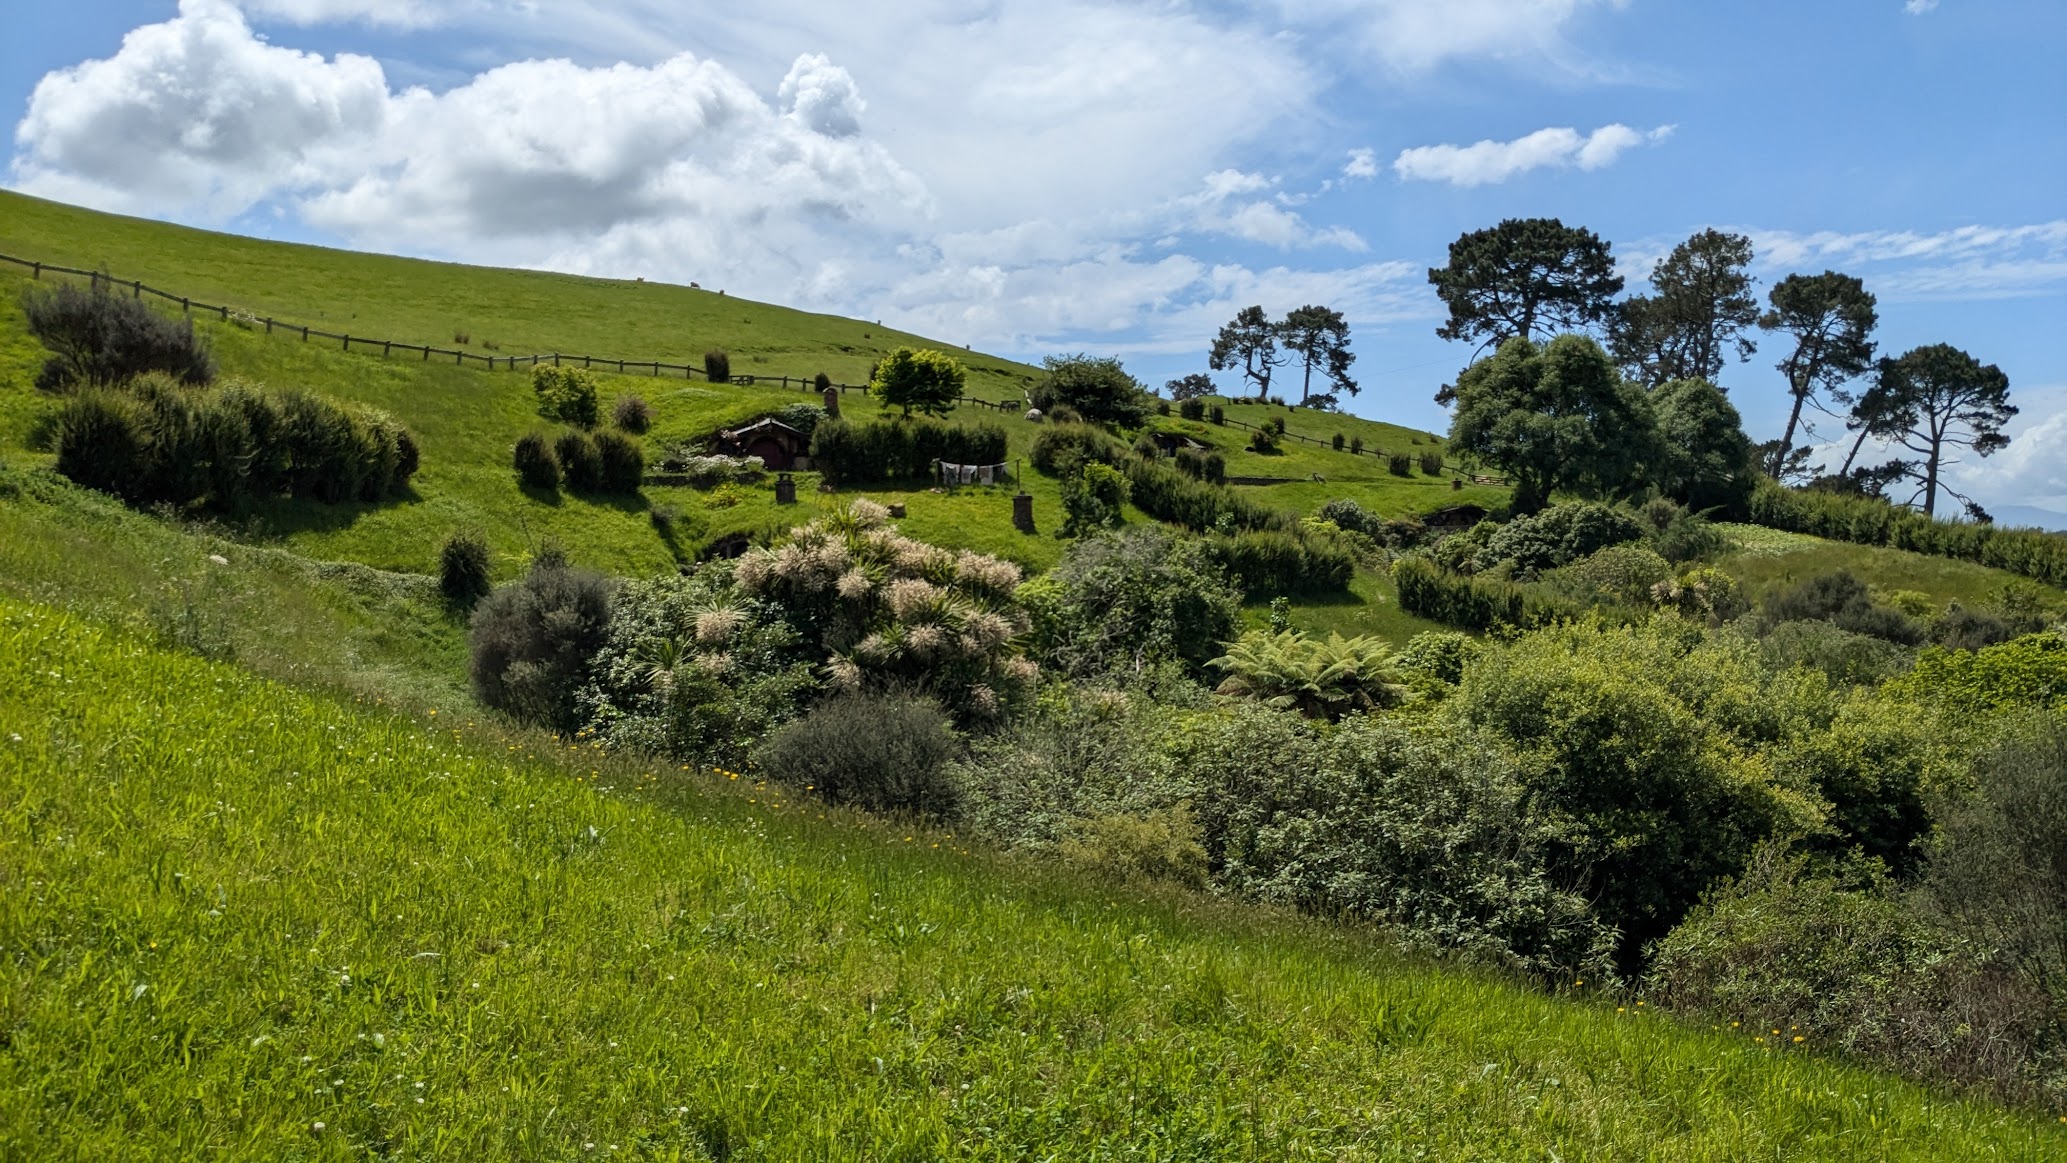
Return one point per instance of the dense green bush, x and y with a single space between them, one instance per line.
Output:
535 463
581 461
1998 865
1059 447
632 414
883 752
222 449
695 669
1869 521
464 569
623 463
1638 752
804 418
1202 464
1267 563
1431 464
1557 536
533 642
1706 461
1127 601
566 394
1096 388
1414 828
1317 678
103 340
1844 657
1347 514
1170 494
2029 673
1191 408
1438 657
1092 498
1843 600
1620 574
1263 440
1837 961
1474 603
717 367
888 449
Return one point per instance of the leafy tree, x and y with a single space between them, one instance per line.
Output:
1319 337
1701 306
918 379
1554 417
533 643
1831 317
1249 343
1098 388
1706 459
1524 278
1938 399
1195 386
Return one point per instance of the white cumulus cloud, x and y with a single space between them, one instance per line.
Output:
392 13
1489 162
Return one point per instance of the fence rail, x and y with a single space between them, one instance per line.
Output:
425 352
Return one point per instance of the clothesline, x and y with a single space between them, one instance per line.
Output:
969 474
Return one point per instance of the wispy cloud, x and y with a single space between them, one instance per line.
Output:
1489 162
1919 7
1968 262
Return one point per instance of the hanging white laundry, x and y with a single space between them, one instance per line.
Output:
983 475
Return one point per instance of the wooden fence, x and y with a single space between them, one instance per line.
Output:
425 352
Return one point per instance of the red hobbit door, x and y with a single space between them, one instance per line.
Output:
773 455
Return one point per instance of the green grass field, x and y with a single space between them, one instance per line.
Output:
245 922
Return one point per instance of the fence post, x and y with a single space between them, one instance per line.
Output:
39 271
225 313
427 353
586 361
139 290
185 308
304 335
556 359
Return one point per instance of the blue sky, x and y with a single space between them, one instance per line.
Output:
1036 176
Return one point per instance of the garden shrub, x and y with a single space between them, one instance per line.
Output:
1202 464
889 449
1191 408
623 464
717 367
1415 828
103 340
1557 536
1836 961
1474 603
464 571
1217 414
695 669
1130 600
1963 629
1267 563
802 417
1096 388
1636 751
1438 656
892 613
566 394
1399 464
1159 845
1288 671
2029 673
1840 655
1059 447
1431 464
1263 440
1840 598
532 642
633 415
1168 493
1620 574
1337 442
581 462
1092 498
883 752
535 463
221 449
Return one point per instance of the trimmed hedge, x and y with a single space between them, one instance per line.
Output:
1867 521
223 449
866 451
1474 603
1269 564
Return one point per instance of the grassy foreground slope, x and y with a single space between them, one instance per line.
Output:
245 922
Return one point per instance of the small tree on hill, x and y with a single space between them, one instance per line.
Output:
1195 386
1701 307
1554 417
1939 399
101 339
1249 344
1318 337
1831 317
919 380
1098 388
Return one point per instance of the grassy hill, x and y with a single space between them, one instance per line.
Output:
467 417
325 929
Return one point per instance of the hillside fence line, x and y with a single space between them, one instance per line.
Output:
425 352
